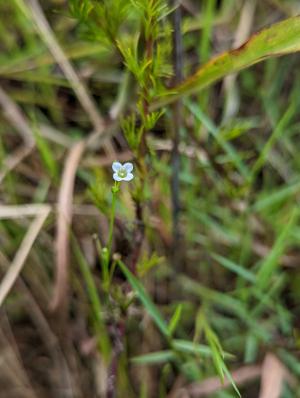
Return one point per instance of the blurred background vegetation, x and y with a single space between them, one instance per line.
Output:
199 295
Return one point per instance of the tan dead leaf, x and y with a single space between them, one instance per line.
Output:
273 376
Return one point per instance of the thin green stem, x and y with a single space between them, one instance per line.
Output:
115 190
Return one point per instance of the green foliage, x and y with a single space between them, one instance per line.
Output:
154 358
175 319
244 273
101 21
146 263
46 155
217 352
270 263
151 119
281 38
97 191
151 12
146 300
132 135
96 306
190 347
129 51
80 9
238 184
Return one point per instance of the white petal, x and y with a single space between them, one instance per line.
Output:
129 177
116 177
128 167
116 166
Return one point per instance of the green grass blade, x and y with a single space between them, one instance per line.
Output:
279 39
153 358
175 319
145 299
46 155
214 131
94 299
208 9
271 262
278 131
232 382
278 196
237 269
190 347
225 301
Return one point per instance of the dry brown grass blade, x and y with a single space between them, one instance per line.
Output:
64 217
19 211
273 375
12 161
56 136
78 86
15 116
12 372
47 35
213 384
19 260
64 379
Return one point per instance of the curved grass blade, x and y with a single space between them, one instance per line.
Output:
279 39
145 299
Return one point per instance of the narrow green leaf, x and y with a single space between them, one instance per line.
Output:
46 154
175 319
216 348
94 298
227 302
153 358
215 132
251 348
271 262
276 197
232 382
279 39
191 347
208 10
277 132
291 360
238 269
145 299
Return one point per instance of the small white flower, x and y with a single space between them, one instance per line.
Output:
122 172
